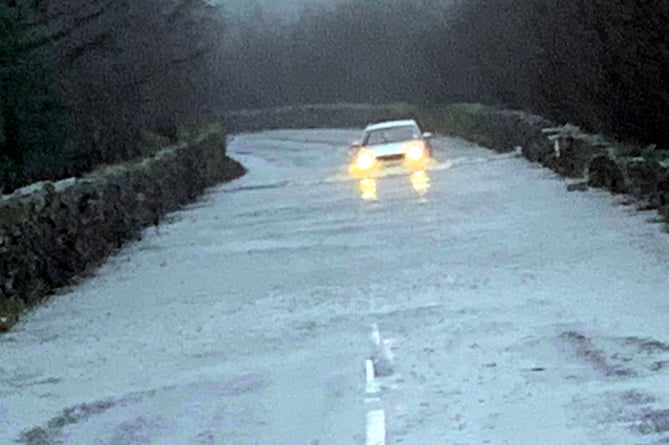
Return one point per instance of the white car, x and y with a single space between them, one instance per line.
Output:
392 140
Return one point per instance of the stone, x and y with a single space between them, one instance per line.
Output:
52 233
605 172
7 322
580 186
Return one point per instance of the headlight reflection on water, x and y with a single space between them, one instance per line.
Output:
367 188
420 182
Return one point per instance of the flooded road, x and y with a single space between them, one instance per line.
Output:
494 306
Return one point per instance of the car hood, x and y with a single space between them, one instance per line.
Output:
390 149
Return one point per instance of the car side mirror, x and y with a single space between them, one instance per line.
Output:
428 135
355 145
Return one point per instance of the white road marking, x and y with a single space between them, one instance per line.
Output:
381 354
376 335
376 418
376 427
372 387
388 348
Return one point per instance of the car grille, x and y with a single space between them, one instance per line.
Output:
391 157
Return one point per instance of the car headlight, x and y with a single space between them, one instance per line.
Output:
365 160
415 152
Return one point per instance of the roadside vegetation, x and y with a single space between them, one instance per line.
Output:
80 80
597 64
86 83
83 82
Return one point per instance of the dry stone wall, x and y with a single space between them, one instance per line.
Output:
620 168
51 233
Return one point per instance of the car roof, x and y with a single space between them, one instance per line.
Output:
391 124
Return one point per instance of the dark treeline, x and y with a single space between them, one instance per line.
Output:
80 79
601 64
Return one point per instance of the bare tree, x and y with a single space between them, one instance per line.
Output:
127 66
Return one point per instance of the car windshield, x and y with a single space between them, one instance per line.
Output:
394 134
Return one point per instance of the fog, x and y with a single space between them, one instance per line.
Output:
285 9
516 309
162 62
508 53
